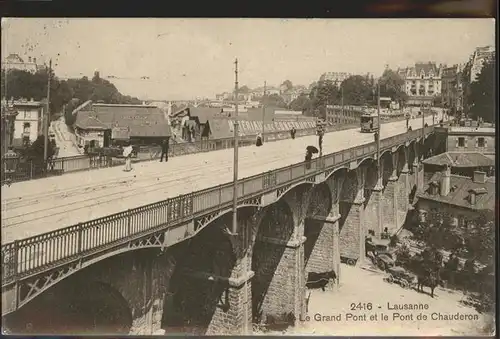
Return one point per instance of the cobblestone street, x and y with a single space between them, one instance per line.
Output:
363 286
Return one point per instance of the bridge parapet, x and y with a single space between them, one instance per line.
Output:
31 257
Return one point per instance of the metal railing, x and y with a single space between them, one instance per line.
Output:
30 256
28 170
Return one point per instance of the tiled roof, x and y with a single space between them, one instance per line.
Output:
87 120
459 159
143 121
459 194
426 68
220 128
203 114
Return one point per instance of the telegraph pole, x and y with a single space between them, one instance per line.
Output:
235 162
47 116
263 110
342 98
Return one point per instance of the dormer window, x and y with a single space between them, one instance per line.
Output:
475 193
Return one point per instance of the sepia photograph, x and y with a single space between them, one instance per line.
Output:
244 176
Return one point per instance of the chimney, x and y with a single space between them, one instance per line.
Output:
472 197
479 177
169 110
445 181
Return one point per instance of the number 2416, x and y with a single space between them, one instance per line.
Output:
361 306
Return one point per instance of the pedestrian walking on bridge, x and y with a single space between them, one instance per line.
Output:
164 150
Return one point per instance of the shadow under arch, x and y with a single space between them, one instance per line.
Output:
344 168
199 283
74 307
387 167
275 230
347 196
320 205
287 189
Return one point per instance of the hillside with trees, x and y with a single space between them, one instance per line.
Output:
63 93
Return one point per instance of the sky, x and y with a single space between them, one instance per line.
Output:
187 58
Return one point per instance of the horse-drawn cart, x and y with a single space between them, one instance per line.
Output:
401 276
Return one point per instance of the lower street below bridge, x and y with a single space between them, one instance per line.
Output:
39 206
330 312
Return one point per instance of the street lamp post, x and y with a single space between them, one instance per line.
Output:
235 161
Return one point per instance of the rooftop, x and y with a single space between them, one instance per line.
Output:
459 192
460 159
143 121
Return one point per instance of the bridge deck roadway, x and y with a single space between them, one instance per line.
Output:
34 207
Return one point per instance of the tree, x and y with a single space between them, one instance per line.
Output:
244 89
357 90
36 149
302 103
482 94
273 100
391 85
288 84
68 113
323 94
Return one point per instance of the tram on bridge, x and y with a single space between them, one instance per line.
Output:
369 122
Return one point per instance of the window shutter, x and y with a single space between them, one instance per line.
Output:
456 145
477 142
465 142
485 143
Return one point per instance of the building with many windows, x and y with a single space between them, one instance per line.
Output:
452 87
422 82
477 60
28 123
335 77
14 61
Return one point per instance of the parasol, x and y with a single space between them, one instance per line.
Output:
312 149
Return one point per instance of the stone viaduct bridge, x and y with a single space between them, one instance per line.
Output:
174 265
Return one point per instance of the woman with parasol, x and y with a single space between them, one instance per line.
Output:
310 150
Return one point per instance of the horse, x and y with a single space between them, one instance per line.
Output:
320 280
428 278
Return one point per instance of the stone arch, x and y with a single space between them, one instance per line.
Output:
269 258
318 236
387 167
200 278
371 179
411 155
401 159
283 192
429 142
366 160
348 192
347 196
336 171
74 306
